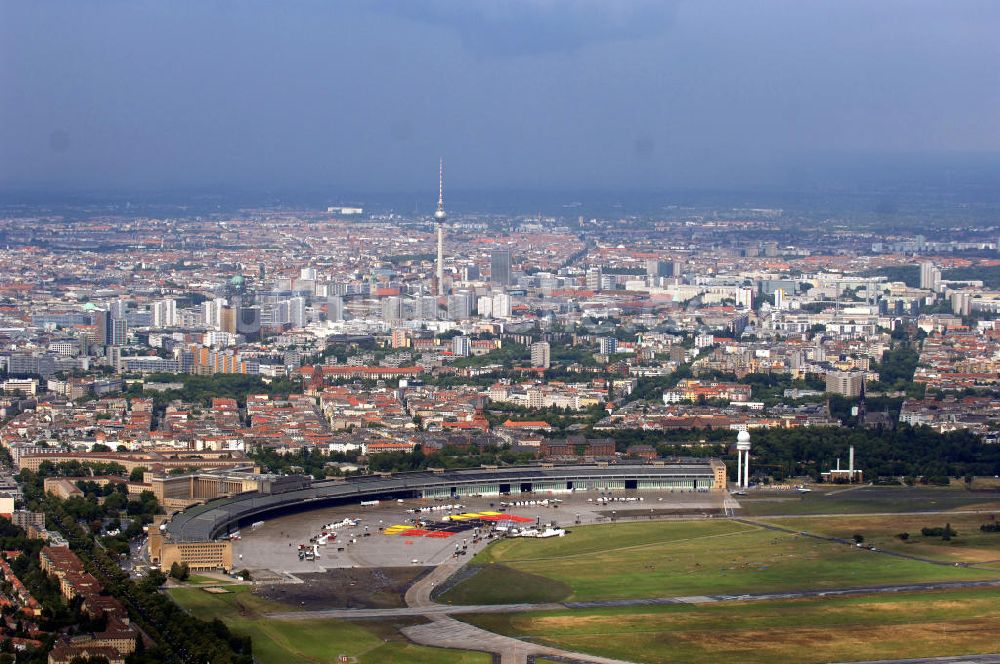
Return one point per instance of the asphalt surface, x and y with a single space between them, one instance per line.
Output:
428 607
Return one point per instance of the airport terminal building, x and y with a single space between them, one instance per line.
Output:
206 522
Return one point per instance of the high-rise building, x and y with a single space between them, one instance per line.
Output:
459 306
425 307
929 276
211 311
471 273
846 383
500 267
335 308
657 268
119 308
102 324
227 319
484 306
594 279
501 305
248 322
392 309
541 354
439 218
771 249
744 298
297 311
119 332
400 338
607 345
461 346
308 273
961 304
164 313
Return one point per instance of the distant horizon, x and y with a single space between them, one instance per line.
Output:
614 95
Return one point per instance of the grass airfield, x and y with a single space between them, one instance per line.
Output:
807 631
320 641
638 559
681 558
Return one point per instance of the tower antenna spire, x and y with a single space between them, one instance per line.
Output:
441 185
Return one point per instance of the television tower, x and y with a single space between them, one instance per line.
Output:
439 218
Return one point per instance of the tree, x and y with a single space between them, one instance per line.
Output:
858 538
180 571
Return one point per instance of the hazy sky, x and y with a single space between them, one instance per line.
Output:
364 96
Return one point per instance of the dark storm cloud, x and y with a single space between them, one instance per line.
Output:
355 96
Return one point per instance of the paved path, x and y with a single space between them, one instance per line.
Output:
445 631
961 659
432 609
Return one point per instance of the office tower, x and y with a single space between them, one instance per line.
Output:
335 308
471 273
929 276
501 305
425 307
119 332
248 322
459 306
102 323
461 346
439 218
607 345
594 279
227 319
676 269
657 268
119 308
297 311
540 354
500 267
392 309
484 306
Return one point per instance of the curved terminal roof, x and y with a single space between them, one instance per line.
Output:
205 522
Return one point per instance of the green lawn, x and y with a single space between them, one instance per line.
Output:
312 641
669 558
201 580
802 631
971 545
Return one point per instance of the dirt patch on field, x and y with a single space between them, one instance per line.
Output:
957 636
347 588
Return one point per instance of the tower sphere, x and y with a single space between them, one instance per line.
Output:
743 440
